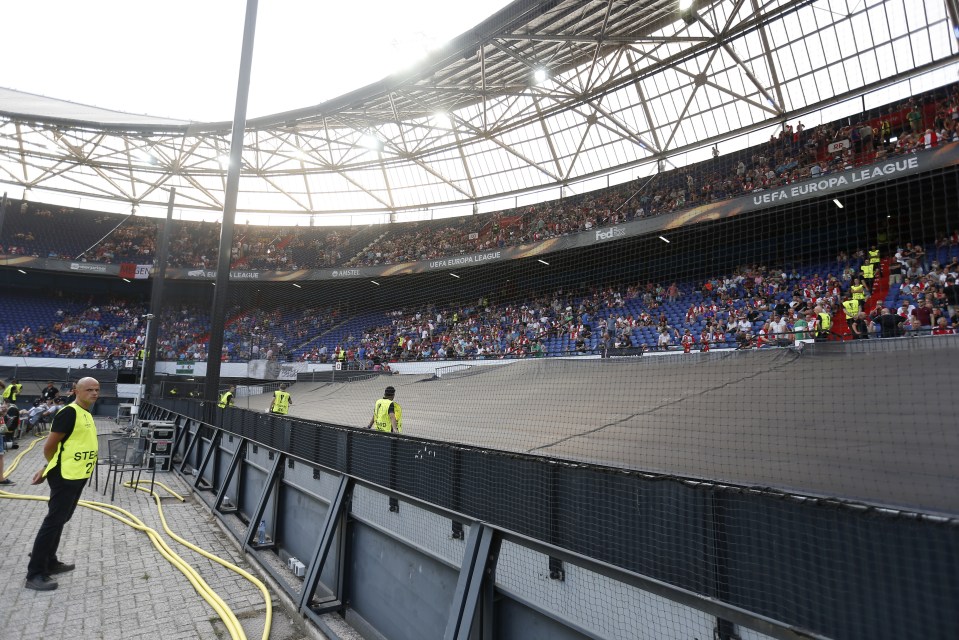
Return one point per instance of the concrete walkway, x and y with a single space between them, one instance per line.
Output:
122 587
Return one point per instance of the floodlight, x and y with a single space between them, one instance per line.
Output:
371 142
540 75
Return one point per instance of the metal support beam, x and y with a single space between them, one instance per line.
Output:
210 452
231 470
191 445
479 563
335 521
257 514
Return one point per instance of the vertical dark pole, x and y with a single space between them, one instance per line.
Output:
156 297
221 295
3 212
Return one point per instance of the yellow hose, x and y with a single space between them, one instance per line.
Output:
202 588
206 554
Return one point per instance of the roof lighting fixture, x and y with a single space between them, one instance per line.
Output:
145 156
375 282
664 239
442 120
685 5
297 286
540 75
125 280
543 261
836 202
455 276
371 142
22 271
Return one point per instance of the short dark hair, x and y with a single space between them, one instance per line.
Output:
390 392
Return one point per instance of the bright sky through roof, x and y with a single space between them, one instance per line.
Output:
180 58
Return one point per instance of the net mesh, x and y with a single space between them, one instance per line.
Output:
768 410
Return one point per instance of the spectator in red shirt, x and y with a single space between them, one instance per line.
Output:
942 329
923 318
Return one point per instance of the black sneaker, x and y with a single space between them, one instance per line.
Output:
61 567
41 583
7 481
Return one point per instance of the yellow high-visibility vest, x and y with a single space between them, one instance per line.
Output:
281 402
77 454
381 415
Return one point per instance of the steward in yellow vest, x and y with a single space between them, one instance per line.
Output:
12 391
226 400
874 256
868 272
387 414
858 291
823 325
281 401
71 453
851 307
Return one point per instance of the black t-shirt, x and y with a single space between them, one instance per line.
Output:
49 393
64 421
895 268
889 323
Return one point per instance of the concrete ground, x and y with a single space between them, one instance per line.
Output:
122 587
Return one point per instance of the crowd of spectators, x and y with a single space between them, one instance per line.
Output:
796 153
754 306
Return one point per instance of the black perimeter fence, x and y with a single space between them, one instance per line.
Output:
837 568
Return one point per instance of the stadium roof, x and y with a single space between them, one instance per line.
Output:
624 87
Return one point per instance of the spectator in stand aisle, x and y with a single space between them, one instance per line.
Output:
688 341
905 310
951 293
942 329
895 272
860 327
866 135
706 338
922 315
800 327
663 341
889 324
915 118
779 329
